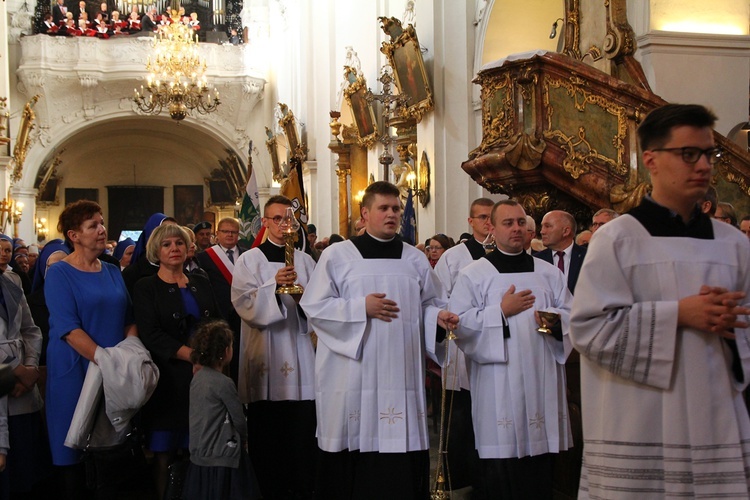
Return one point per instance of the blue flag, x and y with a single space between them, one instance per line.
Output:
408 230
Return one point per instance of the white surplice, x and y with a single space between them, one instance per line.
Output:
447 268
276 353
663 415
369 373
517 384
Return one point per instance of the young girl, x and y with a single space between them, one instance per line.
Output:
219 465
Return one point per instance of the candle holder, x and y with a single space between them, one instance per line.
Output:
489 243
549 319
289 227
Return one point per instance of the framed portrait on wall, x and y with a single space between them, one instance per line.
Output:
188 204
405 58
362 112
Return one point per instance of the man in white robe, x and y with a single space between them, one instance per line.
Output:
461 453
277 362
374 303
664 359
517 374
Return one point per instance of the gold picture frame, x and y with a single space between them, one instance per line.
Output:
289 125
273 151
365 121
405 57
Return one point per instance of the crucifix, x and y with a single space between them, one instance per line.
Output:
388 99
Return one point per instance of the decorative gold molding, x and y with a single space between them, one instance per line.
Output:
620 39
23 141
525 151
723 168
624 198
578 162
498 125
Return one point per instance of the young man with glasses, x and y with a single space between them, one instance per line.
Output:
218 262
665 350
277 365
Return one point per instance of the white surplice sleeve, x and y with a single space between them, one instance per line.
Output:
480 327
254 293
632 339
339 322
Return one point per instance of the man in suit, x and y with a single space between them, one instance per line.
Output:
218 262
558 232
58 12
148 23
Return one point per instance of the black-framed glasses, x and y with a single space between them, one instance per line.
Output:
691 155
483 217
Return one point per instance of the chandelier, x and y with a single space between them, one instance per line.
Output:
176 78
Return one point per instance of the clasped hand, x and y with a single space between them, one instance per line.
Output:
713 310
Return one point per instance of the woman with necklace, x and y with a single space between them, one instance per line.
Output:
168 307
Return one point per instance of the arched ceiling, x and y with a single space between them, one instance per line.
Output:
142 150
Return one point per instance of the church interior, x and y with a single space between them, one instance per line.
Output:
536 100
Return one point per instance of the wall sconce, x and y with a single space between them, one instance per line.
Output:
41 229
419 181
553 33
358 197
17 213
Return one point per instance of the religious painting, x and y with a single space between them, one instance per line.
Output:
362 112
188 204
405 58
76 194
49 192
219 193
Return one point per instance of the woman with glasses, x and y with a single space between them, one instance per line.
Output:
437 247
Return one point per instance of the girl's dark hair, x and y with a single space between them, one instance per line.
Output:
210 342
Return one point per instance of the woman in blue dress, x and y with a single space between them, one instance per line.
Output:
89 308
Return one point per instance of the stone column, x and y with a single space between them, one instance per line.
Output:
27 223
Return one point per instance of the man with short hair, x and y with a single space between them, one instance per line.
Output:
375 305
709 201
461 450
601 217
664 357
517 373
277 361
530 234
203 235
725 212
745 225
218 262
558 231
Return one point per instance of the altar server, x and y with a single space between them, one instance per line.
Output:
277 361
374 303
664 356
517 373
